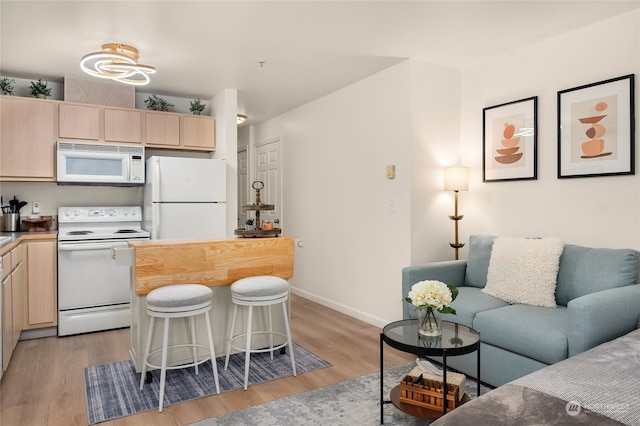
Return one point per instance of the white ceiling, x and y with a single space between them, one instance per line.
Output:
309 48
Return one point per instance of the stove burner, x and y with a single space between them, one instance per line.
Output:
79 232
126 231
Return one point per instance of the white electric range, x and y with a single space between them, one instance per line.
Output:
93 291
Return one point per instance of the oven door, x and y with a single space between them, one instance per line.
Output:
88 276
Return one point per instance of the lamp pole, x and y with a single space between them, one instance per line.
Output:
456 218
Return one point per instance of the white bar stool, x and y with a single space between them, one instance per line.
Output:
264 290
178 301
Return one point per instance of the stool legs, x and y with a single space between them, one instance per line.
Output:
212 350
165 347
247 350
163 365
286 326
247 353
231 330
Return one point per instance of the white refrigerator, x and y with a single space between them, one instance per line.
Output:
185 198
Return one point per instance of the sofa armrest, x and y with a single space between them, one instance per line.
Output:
602 316
450 272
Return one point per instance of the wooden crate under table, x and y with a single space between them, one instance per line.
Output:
428 393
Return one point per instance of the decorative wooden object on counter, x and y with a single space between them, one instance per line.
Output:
258 206
39 224
211 263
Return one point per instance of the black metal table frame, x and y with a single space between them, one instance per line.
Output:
422 352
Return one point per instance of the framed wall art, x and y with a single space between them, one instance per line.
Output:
509 141
596 129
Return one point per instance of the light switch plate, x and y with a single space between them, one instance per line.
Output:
391 171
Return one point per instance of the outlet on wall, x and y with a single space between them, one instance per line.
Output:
36 207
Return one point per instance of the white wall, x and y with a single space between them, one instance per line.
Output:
599 211
335 193
435 107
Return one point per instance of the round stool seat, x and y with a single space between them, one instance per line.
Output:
178 298
263 286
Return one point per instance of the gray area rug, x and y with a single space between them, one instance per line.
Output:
352 402
112 389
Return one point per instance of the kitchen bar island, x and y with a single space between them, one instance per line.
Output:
216 264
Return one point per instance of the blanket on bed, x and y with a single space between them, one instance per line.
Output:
599 386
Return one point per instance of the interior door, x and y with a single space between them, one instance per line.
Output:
268 170
243 185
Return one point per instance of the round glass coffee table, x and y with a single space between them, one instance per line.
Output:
456 339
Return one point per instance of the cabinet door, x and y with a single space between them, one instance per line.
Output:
199 133
27 138
41 283
7 322
162 129
122 125
79 122
18 291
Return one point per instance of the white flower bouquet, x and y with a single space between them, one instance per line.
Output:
431 296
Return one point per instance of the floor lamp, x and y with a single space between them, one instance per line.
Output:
456 179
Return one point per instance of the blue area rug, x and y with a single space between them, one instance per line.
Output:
112 389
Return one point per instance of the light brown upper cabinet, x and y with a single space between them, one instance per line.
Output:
79 122
122 125
162 129
27 139
198 132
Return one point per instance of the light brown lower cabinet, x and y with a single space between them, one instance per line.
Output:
41 284
13 293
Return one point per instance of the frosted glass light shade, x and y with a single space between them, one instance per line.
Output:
456 179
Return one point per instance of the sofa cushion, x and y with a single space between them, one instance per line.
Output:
532 331
585 270
524 270
469 302
478 261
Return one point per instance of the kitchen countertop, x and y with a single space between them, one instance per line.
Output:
211 263
18 237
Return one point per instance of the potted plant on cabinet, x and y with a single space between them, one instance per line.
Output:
156 103
40 89
197 106
249 225
6 85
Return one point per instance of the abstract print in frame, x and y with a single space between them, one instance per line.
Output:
596 129
509 141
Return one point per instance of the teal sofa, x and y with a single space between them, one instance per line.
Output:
597 297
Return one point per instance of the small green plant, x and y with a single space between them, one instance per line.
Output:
39 88
249 222
197 106
156 103
6 85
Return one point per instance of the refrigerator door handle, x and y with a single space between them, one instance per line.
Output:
155 231
155 170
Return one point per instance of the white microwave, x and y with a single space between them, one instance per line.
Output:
99 164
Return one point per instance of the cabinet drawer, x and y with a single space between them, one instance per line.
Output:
16 258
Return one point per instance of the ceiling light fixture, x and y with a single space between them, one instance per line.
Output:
241 118
117 62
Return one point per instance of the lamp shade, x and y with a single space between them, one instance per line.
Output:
456 179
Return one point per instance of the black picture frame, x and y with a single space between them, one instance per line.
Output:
510 141
596 129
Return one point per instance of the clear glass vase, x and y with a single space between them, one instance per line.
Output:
429 321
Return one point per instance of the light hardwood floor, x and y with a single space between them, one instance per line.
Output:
44 383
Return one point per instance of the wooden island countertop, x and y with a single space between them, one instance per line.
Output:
211 263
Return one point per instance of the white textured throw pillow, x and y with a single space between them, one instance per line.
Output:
524 270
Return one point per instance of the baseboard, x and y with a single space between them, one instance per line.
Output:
378 322
38 333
